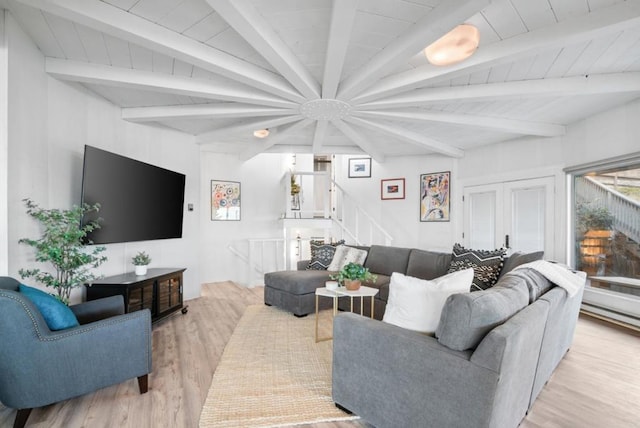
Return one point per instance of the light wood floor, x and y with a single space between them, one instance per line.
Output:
596 385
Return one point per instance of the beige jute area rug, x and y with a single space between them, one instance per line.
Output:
272 374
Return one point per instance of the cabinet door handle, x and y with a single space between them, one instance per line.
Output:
506 241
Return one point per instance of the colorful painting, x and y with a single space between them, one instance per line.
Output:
225 200
435 196
392 188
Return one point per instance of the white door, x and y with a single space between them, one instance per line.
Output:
517 215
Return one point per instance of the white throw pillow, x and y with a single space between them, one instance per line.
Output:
416 304
345 255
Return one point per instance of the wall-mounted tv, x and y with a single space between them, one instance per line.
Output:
138 201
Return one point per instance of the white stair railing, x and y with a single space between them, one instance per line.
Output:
263 255
350 222
354 222
625 210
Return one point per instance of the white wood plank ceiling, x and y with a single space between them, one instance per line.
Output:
343 76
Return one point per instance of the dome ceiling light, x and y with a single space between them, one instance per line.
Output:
261 133
455 46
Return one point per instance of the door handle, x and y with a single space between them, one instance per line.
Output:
506 241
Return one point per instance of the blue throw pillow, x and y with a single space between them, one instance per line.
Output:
57 315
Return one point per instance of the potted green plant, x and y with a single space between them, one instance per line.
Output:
594 230
64 245
141 261
295 187
352 275
591 218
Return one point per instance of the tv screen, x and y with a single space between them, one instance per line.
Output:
138 201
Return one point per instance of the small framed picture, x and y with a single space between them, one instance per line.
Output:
359 167
392 188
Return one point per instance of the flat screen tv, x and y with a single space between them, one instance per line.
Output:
138 201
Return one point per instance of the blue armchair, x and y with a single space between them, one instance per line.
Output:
39 367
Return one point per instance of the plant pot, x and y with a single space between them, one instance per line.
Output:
596 252
141 270
331 285
352 284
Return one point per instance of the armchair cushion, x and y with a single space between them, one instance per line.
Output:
56 314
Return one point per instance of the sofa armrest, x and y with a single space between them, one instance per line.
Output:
302 264
95 310
392 376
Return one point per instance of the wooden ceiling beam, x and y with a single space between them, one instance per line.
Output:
201 111
343 16
246 21
486 122
616 18
244 127
262 146
408 137
84 72
434 25
116 22
591 84
359 140
319 135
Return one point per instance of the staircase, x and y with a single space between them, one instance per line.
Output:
625 210
318 205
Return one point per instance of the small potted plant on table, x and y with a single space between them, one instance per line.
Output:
141 261
352 275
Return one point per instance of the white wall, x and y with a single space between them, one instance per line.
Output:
50 122
401 218
262 203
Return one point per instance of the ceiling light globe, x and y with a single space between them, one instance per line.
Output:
455 46
261 133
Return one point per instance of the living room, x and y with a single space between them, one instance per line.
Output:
47 121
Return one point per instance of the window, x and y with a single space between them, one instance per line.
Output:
606 236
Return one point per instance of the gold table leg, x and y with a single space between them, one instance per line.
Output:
371 307
317 318
335 312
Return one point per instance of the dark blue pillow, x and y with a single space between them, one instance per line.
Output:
57 315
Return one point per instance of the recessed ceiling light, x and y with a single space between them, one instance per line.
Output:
261 133
455 46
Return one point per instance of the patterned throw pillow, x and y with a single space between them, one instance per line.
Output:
322 254
345 255
486 265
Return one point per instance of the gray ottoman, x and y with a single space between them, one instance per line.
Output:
294 292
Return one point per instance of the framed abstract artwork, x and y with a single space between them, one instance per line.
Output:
435 196
359 167
225 200
392 188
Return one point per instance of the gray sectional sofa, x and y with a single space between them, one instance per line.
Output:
492 353
294 291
